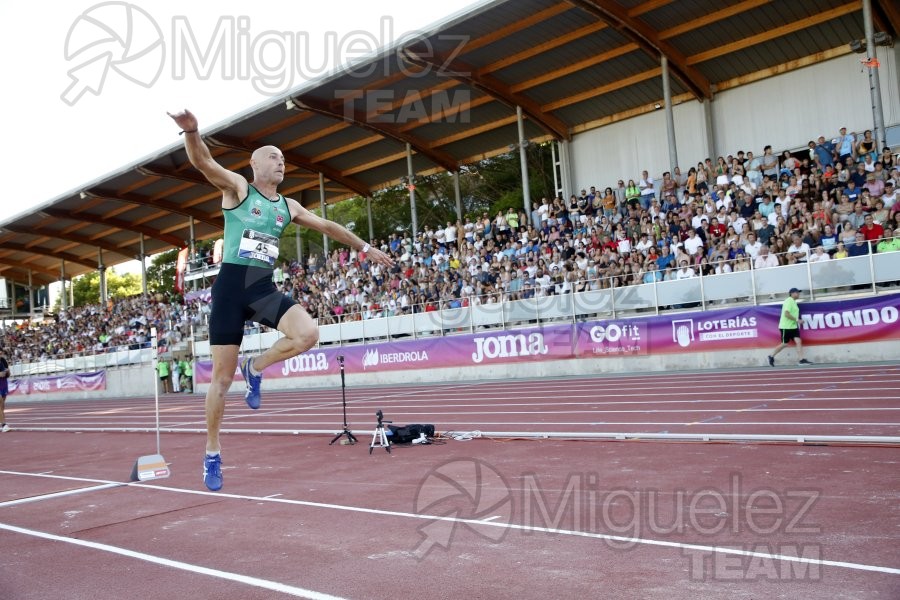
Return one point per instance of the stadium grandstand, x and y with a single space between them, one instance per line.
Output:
579 391
669 192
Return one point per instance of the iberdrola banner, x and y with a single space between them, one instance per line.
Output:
723 330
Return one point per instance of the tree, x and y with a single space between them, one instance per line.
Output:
161 273
86 288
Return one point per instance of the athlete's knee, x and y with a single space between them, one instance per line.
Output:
305 339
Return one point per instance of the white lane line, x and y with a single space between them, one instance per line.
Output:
59 494
176 564
490 523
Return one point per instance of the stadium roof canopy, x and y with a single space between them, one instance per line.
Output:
452 93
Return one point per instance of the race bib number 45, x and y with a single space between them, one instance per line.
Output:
258 246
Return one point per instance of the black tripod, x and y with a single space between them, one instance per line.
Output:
351 439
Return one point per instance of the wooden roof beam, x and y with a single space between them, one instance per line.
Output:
78 239
72 258
119 224
299 161
775 32
463 72
650 40
164 205
390 131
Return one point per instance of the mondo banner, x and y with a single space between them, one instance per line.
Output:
726 330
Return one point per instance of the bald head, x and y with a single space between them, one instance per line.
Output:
267 163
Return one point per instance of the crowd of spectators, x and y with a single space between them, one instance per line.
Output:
835 199
96 329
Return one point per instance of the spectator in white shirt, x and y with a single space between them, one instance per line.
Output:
819 255
798 251
693 243
765 260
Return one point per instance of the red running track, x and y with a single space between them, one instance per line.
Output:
479 519
831 401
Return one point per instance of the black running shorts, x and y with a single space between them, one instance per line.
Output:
789 334
239 294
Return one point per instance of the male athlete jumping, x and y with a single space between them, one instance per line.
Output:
255 217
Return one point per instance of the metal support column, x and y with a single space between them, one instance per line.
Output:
63 298
369 215
880 136
670 115
457 196
322 203
143 259
414 217
101 268
523 160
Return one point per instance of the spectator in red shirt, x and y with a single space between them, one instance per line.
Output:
872 230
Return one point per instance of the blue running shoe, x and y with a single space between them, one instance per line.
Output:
253 382
212 472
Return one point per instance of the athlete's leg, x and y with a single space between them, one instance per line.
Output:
300 334
224 359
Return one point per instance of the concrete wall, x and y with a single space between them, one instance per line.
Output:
785 111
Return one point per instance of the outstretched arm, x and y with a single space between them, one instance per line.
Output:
304 218
233 186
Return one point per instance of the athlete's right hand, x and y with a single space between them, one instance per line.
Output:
185 119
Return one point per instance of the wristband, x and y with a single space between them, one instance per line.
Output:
183 131
366 247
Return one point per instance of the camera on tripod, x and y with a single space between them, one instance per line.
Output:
380 416
379 437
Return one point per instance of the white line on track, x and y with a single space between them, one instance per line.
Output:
59 494
475 522
177 564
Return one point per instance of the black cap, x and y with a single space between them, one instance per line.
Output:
794 291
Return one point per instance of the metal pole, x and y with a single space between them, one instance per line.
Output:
30 296
62 277
872 268
193 255
324 205
102 269
655 292
812 292
753 284
143 259
555 161
523 159
297 241
670 116
457 196
710 128
874 81
702 290
369 214
414 218
153 349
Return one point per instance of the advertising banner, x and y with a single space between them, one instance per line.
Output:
58 383
722 330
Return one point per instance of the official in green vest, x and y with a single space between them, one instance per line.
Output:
255 217
789 326
187 376
162 368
